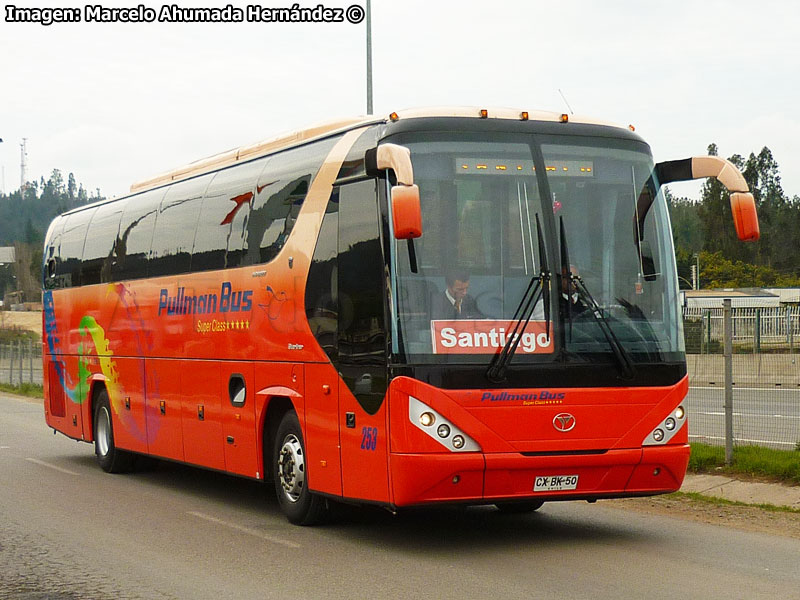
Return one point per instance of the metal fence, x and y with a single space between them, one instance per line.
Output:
765 376
21 362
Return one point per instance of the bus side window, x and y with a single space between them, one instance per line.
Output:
280 193
132 245
173 237
52 254
98 251
68 269
220 236
361 290
322 298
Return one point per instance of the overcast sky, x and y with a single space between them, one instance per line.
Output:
115 103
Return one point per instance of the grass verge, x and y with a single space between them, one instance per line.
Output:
749 461
698 497
32 390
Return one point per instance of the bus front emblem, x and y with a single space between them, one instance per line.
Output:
564 422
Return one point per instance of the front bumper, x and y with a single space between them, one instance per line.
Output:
475 478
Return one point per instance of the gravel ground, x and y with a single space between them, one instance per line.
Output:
746 518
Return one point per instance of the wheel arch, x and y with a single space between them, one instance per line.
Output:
275 407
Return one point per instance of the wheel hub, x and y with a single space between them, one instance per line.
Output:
291 468
103 431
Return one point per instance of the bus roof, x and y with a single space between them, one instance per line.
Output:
319 130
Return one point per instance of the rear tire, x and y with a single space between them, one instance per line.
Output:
110 458
519 507
298 503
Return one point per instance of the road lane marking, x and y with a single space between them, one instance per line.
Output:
748 415
49 466
247 530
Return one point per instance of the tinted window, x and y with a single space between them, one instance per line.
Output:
221 230
322 301
51 253
280 193
72 240
132 247
98 251
173 237
361 290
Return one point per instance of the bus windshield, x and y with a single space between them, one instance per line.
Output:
479 255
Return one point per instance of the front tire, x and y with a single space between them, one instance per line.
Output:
298 503
109 457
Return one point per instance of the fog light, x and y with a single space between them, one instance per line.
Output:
458 441
680 412
658 435
443 431
669 424
426 419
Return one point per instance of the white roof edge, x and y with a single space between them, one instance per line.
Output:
292 138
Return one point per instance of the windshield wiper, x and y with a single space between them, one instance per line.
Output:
572 280
538 287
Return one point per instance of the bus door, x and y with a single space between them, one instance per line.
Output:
361 345
345 414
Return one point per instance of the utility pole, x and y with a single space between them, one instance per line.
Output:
23 167
369 58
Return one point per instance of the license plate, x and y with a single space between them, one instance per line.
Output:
555 483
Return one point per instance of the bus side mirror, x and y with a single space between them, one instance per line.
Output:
743 206
406 212
745 217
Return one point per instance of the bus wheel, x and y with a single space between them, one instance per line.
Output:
109 457
522 506
298 503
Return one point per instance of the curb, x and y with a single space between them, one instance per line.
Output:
748 492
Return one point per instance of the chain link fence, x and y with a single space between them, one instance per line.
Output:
21 362
765 363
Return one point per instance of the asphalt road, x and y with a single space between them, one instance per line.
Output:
767 416
68 531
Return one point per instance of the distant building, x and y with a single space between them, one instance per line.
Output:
740 298
787 295
7 255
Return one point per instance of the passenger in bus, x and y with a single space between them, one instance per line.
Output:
454 302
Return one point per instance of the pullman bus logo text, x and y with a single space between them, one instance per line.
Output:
227 301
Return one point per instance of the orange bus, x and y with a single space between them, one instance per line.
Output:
458 305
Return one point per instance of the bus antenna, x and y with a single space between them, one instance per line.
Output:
564 98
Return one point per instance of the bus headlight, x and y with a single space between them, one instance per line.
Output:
427 419
446 433
664 431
